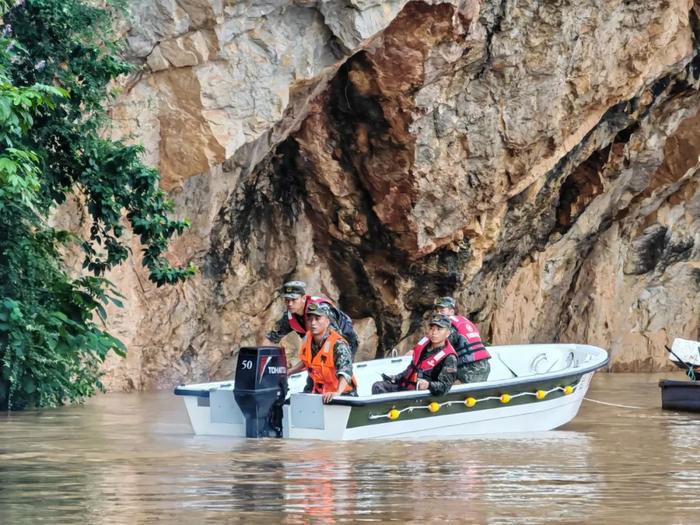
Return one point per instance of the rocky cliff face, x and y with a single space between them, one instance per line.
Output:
537 160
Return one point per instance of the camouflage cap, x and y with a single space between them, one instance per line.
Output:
440 320
444 302
320 309
293 289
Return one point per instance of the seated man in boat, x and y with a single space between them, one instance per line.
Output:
434 363
326 356
294 318
473 358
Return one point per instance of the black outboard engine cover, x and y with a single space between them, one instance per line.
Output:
260 388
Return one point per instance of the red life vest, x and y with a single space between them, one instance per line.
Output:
321 367
476 349
427 364
294 322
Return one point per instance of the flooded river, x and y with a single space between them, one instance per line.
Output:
131 458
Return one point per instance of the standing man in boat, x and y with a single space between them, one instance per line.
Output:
295 317
473 358
433 366
326 356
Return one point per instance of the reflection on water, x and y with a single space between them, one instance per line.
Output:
131 458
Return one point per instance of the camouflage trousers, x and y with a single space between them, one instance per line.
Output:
473 372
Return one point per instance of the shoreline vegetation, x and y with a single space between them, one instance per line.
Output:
57 60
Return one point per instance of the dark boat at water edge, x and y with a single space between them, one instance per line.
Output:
683 396
680 395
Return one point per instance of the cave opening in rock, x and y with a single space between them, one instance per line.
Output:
274 191
579 189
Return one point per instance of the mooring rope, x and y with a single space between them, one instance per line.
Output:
612 404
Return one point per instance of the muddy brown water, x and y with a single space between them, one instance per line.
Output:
132 458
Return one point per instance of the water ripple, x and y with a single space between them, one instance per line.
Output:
132 459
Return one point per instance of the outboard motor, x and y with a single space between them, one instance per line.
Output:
260 388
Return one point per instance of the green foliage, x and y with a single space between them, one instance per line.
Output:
57 59
66 43
5 6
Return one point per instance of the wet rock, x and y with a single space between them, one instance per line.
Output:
538 161
646 250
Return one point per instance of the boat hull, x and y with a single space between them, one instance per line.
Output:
683 396
342 423
549 385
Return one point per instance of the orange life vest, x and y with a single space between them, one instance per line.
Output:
426 365
321 367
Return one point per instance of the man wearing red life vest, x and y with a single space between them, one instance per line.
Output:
326 356
433 365
473 357
294 318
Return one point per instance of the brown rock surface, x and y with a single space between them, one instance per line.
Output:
538 160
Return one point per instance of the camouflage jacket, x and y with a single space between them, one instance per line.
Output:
440 378
458 342
282 327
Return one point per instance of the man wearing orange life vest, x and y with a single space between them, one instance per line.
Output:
326 356
433 366
473 358
297 302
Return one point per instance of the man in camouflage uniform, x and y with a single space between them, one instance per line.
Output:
466 372
320 316
438 379
297 301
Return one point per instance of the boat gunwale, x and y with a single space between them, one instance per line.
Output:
467 387
191 393
183 390
680 383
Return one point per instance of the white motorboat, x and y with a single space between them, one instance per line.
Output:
531 388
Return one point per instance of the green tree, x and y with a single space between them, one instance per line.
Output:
57 59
